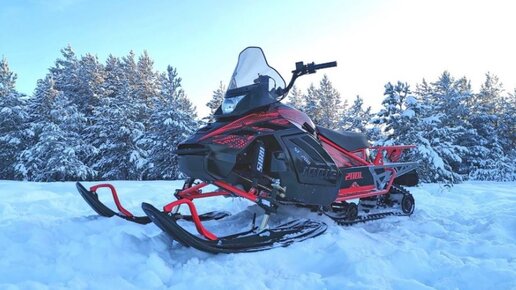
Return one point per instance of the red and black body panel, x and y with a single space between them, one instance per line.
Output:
229 150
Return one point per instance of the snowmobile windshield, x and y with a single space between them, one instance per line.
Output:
251 65
254 84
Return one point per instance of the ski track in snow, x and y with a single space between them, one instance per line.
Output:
458 238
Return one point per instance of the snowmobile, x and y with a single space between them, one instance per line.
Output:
273 155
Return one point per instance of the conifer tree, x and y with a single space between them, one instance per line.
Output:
216 100
312 104
330 104
296 99
405 120
450 133
120 120
357 119
58 149
172 121
487 159
323 104
13 116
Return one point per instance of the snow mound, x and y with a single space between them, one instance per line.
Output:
458 238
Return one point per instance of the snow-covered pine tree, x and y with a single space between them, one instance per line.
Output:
323 104
487 159
120 121
146 87
507 129
13 116
357 119
406 120
81 80
216 100
444 125
58 148
172 121
90 88
65 72
114 76
507 121
296 99
66 79
390 118
312 104
330 104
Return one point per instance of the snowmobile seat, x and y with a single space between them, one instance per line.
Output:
350 141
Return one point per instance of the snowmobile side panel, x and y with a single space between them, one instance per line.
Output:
356 176
313 177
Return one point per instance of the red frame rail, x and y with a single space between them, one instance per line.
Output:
195 216
189 194
393 153
115 197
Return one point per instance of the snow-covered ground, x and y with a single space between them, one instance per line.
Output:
462 238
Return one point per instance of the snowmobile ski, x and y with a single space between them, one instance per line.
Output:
248 241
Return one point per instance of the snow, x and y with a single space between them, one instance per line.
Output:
408 113
458 238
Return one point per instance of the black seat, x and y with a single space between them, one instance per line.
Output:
350 141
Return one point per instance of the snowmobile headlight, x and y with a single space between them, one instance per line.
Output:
230 104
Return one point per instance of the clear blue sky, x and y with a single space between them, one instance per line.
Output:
373 41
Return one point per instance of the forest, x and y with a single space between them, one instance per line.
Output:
122 120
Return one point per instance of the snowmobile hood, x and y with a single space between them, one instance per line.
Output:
254 84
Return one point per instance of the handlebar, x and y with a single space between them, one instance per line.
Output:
310 68
325 65
302 69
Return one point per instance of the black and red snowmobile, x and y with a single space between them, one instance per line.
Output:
273 155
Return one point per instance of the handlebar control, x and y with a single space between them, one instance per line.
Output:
326 65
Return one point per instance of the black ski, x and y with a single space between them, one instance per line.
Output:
249 241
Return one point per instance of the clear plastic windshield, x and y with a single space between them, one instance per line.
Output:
252 64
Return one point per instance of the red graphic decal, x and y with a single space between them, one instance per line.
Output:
353 176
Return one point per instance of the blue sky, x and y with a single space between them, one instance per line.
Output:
373 41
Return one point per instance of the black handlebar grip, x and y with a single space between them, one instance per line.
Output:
325 65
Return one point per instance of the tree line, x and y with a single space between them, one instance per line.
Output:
122 119
459 134
87 120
